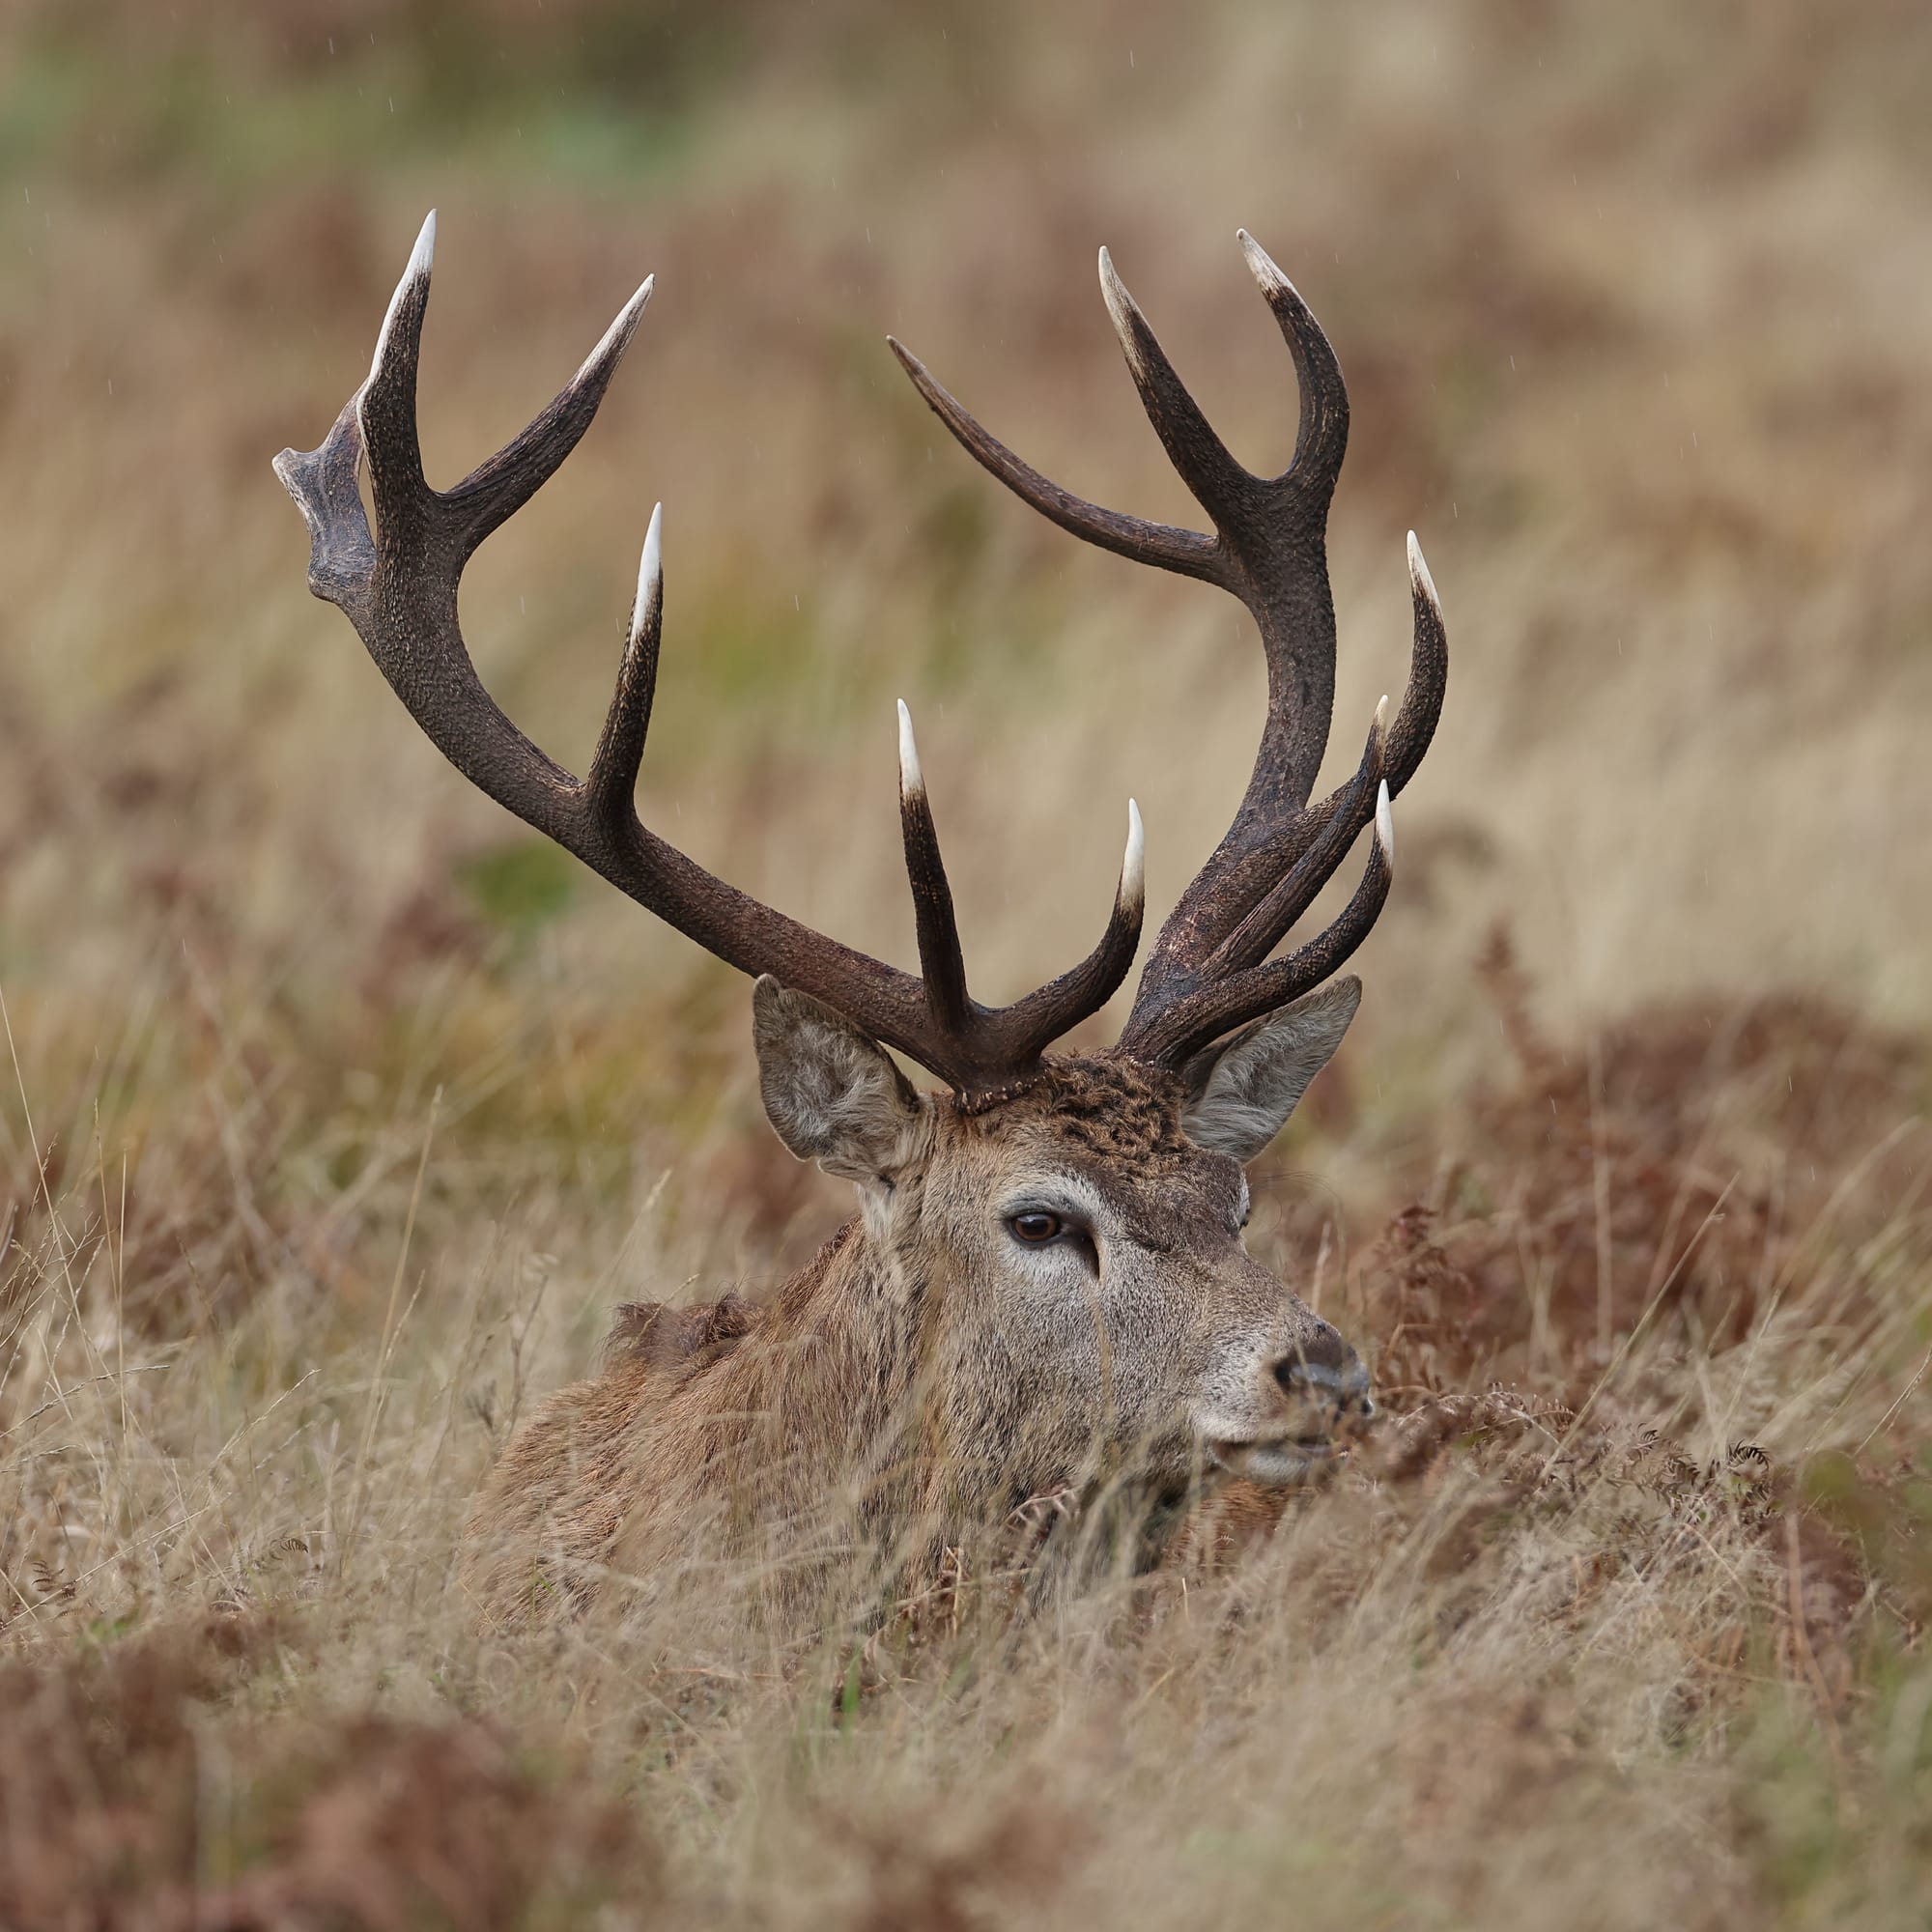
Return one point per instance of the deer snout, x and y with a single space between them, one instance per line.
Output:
1298 1404
1323 1372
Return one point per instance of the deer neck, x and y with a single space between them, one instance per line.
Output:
852 1331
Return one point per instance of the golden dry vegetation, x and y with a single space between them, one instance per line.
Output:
338 1113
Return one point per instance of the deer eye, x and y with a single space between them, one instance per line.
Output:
1036 1228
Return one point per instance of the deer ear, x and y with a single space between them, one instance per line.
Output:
1243 1090
833 1093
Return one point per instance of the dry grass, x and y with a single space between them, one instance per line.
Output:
336 1116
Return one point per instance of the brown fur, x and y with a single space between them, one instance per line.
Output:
921 1374
676 1339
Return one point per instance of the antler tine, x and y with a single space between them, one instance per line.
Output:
399 587
1217 481
1428 674
940 958
1165 545
1043 1016
1267 925
1014 1035
611 783
1421 706
501 485
386 406
1170 1035
1322 437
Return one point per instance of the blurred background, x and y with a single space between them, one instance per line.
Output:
338 1110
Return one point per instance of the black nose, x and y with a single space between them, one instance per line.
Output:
1324 1369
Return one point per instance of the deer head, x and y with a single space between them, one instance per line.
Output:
1066 1229
1076 1252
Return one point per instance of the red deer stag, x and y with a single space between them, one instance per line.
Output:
1044 1290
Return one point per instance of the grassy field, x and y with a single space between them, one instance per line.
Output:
337 1112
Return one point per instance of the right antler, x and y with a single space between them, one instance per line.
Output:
1209 971
399 590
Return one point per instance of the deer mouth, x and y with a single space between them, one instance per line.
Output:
1277 1461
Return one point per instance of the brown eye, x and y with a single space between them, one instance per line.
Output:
1036 1228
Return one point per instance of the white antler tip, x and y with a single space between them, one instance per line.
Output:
616 338
422 258
650 573
1384 822
1133 867
1260 264
1418 572
1381 714
911 779
1121 307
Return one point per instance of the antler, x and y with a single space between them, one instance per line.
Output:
1209 970
399 590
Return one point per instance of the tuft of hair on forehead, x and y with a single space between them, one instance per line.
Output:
1108 1106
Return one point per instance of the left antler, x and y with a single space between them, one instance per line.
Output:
1209 970
399 589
